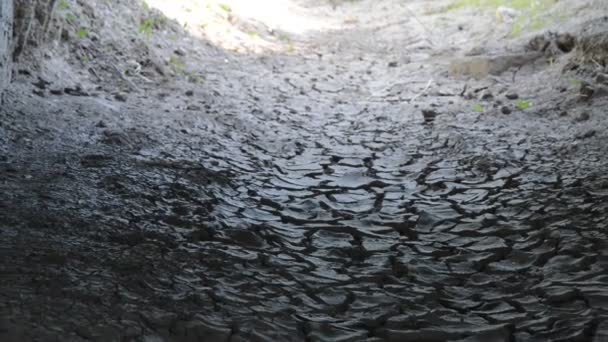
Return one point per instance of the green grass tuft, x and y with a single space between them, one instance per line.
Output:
478 108
523 105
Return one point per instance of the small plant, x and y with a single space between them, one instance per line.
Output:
226 8
523 105
82 33
478 108
71 18
63 5
287 41
146 27
176 64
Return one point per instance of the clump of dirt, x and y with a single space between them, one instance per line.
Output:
593 42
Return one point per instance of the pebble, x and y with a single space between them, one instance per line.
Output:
586 91
583 117
122 97
429 115
512 96
486 95
506 110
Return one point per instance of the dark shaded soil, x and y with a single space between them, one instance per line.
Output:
304 196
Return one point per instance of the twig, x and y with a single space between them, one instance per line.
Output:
428 85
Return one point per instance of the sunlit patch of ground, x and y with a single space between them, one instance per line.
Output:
244 26
527 15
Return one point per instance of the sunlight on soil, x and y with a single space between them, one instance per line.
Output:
243 25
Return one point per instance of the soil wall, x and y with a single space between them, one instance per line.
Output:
6 33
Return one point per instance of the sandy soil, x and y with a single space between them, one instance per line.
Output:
313 175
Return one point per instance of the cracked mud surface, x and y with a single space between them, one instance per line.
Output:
302 197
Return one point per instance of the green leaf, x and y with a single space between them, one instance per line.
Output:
177 65
523 105
225 8
146 27
478 108
82 33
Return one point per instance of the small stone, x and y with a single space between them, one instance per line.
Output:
193 107
512 96
602 78
429 115
41 83
563 114
56 91
101 124
506 110
583 117
393 64
180 52
586 91
189 93
486 95
122 97
75 91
